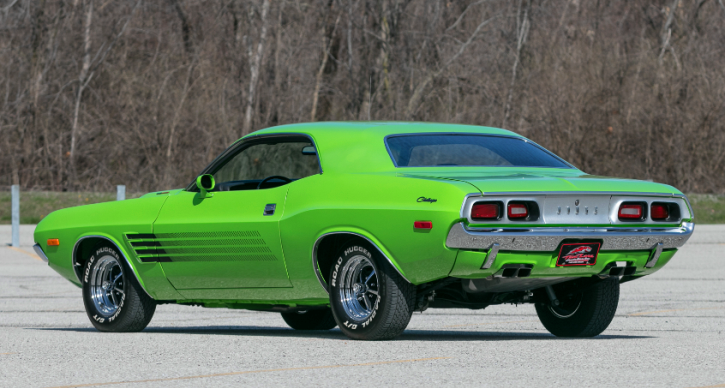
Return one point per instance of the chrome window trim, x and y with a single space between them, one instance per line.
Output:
78 274
615 198
316 268
39 251
549 238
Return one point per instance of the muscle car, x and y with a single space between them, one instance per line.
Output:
358 225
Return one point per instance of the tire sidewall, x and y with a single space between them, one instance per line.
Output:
98 319
591 318
350 326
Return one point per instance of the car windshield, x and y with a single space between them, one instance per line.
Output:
468 150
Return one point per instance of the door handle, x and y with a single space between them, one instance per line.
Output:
269 209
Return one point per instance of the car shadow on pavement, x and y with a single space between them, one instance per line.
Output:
336 334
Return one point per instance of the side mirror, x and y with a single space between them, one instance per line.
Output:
205 183
309 150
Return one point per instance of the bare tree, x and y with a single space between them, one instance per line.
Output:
148 98
326 44
87 72
255 60
418 92
522 31
84 78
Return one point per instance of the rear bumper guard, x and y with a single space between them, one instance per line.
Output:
549 238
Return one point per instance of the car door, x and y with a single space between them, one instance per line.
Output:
229 238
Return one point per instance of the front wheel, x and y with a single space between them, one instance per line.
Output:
583 314
113 298
369 299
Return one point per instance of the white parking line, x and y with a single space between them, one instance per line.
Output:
34 256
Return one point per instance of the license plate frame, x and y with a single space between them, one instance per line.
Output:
578 254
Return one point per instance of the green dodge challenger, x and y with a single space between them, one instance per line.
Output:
358 225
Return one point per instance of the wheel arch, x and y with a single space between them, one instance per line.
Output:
328 245
84 246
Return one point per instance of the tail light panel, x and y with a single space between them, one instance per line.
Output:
571 209
665 212
632 211
522 211
659 212
487 211
517 210
494 211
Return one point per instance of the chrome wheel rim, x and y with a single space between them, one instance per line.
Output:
359 288
567 308
106 285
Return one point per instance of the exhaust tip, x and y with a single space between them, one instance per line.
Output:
616 271
524 272
509 272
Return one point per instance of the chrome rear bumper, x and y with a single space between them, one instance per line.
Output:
548 239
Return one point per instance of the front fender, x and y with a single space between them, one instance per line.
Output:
80 229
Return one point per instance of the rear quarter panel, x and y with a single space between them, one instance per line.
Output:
381 207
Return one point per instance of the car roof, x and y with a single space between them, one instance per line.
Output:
359 147
380 128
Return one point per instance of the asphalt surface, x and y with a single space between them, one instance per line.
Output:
669 331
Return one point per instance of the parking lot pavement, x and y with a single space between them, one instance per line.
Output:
669 331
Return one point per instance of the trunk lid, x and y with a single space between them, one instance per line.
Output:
530 180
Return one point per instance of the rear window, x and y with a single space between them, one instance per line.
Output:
468 150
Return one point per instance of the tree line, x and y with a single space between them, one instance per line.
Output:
146 93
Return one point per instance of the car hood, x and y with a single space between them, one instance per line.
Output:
545 180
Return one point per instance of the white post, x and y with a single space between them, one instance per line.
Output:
120 192
15 205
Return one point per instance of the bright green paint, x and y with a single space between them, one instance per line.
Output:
360 191
468 263
224 212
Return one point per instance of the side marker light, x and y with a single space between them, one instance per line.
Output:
53 242
423 224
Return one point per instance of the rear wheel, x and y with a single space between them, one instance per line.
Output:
310 320
583 314
113 298
368 297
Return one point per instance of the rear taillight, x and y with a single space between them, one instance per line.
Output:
486 211
632 211
660 212
517 211
665 212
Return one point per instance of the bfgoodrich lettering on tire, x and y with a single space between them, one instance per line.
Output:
113 298
584 314
368 298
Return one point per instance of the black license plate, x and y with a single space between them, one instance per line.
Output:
578 254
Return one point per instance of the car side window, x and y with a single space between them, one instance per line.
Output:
268 164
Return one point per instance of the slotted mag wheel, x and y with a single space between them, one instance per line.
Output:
358 288
106 285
